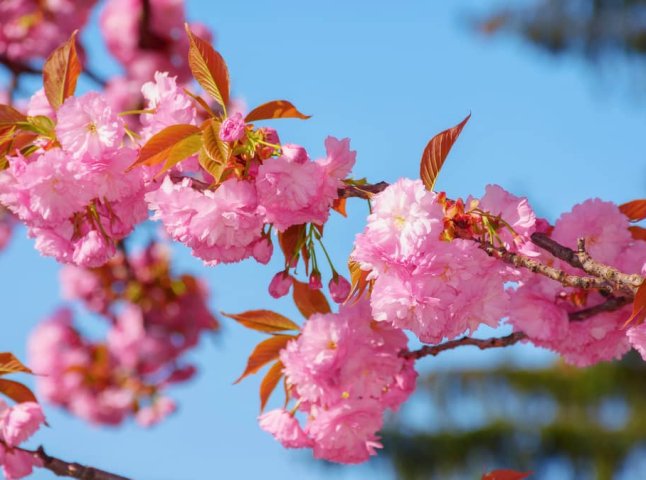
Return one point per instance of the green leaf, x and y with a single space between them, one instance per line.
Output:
209 68
263 321
60 72
275 109
436 152
266 351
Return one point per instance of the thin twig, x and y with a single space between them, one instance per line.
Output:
482 344
610 305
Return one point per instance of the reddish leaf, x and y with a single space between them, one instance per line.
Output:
10 116
309 301
289 241
161 145
638 233
209 68
16 391
275 109
218 151
265 352
639 306
60 73
269 382
10 364
339 206
506 475
263 321
635 210
436 152
358 281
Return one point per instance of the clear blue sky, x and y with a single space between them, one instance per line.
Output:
389 77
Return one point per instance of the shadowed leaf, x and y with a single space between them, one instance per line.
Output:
10 116
638 233
309 301
290 239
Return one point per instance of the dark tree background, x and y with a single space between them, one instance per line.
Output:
592 28
560 422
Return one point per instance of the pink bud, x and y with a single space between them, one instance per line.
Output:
294 153
262 250
233 128
280 284
339 288
270 135
315 281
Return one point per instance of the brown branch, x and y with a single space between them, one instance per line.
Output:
362 191
482 344
581 259
610 305
519 260
61 468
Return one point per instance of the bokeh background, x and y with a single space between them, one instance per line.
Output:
558 124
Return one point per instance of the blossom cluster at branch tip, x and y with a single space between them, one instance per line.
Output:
343 371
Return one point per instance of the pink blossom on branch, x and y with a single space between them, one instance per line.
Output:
344 371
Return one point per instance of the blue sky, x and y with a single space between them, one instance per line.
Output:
389 77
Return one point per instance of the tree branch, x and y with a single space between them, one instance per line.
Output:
482 344
581 259
62 468
610 305
362 191
519 260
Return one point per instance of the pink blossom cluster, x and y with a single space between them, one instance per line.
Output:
438 286
76 200
541 307
344 371
154 318
32 29
17 424
226 224
145 41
